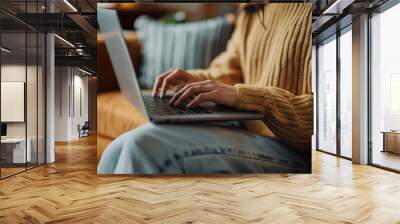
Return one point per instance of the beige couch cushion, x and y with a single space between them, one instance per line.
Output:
116 115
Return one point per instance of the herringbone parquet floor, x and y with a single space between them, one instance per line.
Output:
69 191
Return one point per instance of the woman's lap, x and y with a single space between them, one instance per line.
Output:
195 149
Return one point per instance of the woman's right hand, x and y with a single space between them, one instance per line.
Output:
174 77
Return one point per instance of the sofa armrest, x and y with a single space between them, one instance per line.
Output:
106 76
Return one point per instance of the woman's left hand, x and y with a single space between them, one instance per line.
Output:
207 90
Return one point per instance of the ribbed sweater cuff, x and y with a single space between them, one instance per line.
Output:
253 98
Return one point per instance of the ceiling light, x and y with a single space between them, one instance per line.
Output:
338 6
79 51
84 71
70 5
65 41
5 50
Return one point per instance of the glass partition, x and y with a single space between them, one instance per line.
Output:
13 105
22 88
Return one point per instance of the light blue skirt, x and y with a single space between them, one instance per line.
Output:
198 149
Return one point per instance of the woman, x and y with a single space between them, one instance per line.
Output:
267 68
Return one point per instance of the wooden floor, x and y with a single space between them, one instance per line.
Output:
69 191
5 172
387 159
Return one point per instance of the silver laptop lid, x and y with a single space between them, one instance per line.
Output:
120 58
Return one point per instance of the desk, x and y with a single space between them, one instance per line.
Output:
391 141
13 150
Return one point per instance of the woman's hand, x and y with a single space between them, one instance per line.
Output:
203 91
174 77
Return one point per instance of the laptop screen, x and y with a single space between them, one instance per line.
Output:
110 27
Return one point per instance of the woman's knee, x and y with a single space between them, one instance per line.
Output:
146 134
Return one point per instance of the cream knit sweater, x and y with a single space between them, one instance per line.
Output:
272 71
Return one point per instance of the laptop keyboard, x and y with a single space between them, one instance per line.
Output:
157 106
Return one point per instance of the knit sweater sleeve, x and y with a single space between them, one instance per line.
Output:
226 66
289 116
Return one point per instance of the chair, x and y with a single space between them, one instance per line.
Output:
84 129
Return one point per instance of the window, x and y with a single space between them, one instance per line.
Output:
346 93
314 85
394 101
326 102
385 89
334 137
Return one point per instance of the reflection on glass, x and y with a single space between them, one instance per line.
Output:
346 94
327 96
386 87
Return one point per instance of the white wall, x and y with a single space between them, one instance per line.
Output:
81 82
61 103
70 84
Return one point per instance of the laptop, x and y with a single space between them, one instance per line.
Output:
153 108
